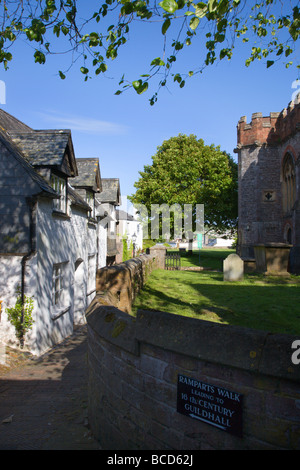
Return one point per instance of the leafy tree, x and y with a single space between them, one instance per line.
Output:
95 32
186 171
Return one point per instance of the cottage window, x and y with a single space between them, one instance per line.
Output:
91 202
289 183
60 186
58 285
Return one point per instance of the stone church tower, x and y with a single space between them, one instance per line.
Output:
269 179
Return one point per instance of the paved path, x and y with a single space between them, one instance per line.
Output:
43 402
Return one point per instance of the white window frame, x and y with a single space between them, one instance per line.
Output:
90 200
58 284
60 186
60 303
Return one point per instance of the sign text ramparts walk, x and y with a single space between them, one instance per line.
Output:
211 404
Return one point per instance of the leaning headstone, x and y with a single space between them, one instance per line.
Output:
233 268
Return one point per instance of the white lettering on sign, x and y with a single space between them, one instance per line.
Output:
210 403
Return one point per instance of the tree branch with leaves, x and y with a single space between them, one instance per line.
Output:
269 28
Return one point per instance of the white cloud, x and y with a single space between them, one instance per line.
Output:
84 124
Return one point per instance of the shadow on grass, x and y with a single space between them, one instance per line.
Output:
260 302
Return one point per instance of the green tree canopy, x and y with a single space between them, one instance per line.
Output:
186 171
95 31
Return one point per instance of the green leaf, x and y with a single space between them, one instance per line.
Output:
269 63
194 23
170 6
65 30
165 26
212 5
201 9
140 86
62 75
84 70
101 68
136 84
39 57
177 78
157 62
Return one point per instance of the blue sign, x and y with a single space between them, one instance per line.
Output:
199 240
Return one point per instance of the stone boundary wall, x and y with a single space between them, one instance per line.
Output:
119 284
133 370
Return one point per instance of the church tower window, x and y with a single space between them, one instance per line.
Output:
289 183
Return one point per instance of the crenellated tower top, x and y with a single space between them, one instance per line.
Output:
272 129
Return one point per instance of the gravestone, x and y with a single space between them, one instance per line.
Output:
233 268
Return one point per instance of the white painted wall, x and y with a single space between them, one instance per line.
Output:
129 228
102 245
71 241
10 277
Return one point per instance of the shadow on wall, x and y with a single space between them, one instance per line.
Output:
119 285
58 244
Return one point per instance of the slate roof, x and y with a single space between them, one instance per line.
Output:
42 185
110 191
9 122
122 215
88 174
47 148
76 199
34 148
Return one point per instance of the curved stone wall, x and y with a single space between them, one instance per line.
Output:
134 365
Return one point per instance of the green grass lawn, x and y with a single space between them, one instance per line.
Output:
263 302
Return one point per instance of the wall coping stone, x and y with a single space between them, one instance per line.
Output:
238 347
114 326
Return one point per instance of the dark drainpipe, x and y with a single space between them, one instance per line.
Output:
32 204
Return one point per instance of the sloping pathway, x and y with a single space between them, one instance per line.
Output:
43 402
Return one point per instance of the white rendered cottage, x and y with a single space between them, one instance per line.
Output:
108 200
130 228
49 236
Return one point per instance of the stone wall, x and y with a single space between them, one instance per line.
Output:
133 369
135 362
119 284
262 147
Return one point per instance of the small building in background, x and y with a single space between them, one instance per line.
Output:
110 199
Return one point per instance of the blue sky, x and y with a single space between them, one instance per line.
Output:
124 131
